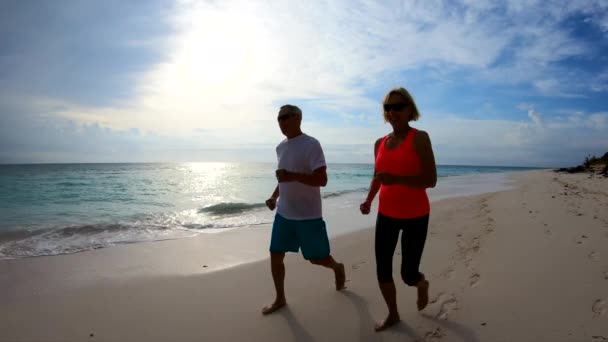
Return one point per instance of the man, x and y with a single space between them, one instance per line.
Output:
298 222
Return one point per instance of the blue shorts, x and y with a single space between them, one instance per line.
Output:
291 235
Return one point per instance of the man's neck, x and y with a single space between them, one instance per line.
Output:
295 135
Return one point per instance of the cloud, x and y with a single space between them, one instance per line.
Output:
535 117
268 52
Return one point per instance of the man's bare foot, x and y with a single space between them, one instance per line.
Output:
273 307
388 322
340 277
423 295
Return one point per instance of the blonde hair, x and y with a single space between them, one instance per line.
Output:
408 99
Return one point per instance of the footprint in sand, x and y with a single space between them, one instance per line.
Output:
357 265
606 275
471 251
448 303
489 225
475 244
594 256
474 279
447 273
599 308
435 335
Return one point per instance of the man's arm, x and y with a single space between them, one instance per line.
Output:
275 193
317 178
271 203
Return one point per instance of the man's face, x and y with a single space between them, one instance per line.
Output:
288 121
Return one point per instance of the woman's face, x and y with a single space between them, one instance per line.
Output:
397 110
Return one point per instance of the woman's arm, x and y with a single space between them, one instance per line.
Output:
374 185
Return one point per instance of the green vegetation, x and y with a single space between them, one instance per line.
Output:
591 164
591 161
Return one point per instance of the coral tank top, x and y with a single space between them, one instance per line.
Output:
400 201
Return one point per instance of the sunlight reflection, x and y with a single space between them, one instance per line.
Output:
207 180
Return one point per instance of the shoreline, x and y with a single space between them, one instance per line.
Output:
338 212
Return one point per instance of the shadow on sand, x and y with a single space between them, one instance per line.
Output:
463 332
367 322
299 333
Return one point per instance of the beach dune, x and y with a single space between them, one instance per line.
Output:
526 264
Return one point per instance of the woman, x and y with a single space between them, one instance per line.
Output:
404 168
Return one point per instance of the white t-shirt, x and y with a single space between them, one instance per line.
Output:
298 201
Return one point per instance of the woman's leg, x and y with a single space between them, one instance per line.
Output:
387 235
412 245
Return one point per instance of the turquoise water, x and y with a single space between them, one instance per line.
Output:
65 208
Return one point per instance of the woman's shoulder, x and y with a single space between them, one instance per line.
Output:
379 141
421 137
420 133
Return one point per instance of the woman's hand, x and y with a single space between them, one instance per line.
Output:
386 178
365 207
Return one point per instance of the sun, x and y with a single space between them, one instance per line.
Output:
222 49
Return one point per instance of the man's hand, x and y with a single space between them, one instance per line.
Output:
386 178
284 176
365 207
271 203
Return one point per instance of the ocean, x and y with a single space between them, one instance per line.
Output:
50 209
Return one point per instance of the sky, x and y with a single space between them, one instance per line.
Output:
506 83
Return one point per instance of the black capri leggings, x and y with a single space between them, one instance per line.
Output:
412 244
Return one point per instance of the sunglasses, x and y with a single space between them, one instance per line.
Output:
284 116
395 106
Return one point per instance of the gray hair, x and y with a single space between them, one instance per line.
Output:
293 109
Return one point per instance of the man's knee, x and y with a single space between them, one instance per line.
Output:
322 262
277 258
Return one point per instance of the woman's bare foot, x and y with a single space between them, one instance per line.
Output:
340 277
423 294
273 307
388 322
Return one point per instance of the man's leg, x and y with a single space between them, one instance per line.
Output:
338 268
277 267
314 243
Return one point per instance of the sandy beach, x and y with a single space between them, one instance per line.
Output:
526 264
